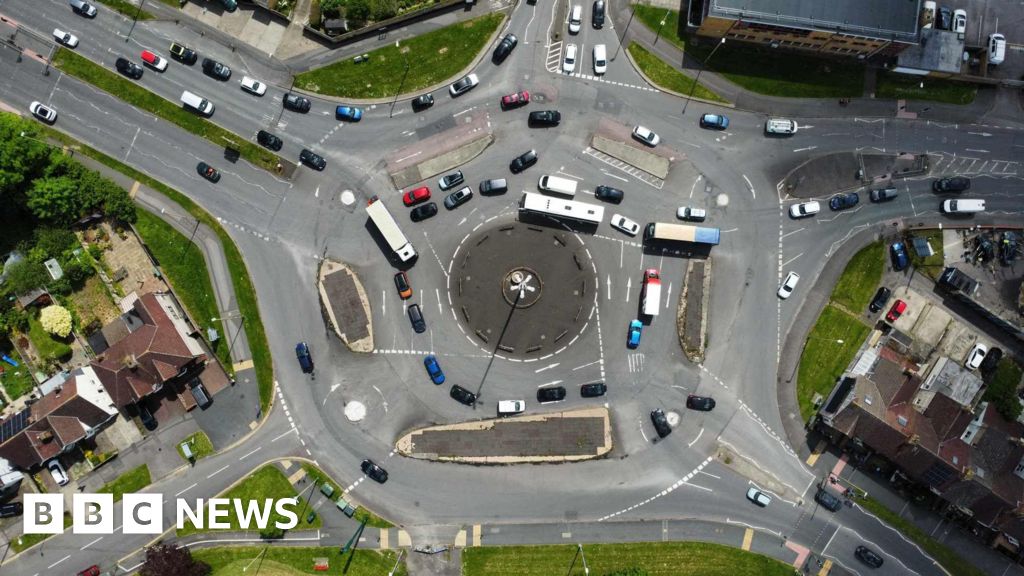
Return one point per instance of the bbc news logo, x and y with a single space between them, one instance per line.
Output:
144 513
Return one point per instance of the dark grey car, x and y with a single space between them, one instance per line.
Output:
458 198
660 422
508 43
494 186
883 194
296 102
609 194
416 318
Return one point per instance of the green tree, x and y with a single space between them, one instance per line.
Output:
357 10
55 199
383 9
25 276
331 8
118 205
168 560
56 320
77 273
54 242
21 159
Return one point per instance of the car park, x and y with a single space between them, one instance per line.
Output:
402 285
714 121
868 556
660 422
952 184
897 310
296 102
804 209
415 196
976 356
373 471
183 53
305 358
208 172
434 369
268 140
633 335
593 390
959 21
83 8
419 325
451 180
458 198
11 509
146 417
691 214
550 394
348 113
215 69
523 161
758 497
422 102
600 59
66 38
880 300
57 472
494 186
151 59
505 47
788 285
544 118
461 395
520 98
42 112
423 211
253 86
625 225
898 252
511 407
883 194
312 159
569 63
609 194
843 201
128 68
828 500
463 85
597 14
700 403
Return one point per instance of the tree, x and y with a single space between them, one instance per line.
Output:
55 199
331 7
54 241
56 320
118 205
25 276
383 9
357 10
167 560
21 159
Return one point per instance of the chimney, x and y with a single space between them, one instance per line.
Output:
45 436
130 362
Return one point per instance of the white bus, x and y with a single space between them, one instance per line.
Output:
392 234
579 212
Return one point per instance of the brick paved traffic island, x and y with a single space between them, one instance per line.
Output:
555 437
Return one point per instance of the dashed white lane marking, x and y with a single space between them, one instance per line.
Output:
680 482
194 484
50 567
217 472
91 543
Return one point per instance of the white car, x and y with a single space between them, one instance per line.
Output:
66 38
57 472
804 209
623 224
959 21
600 59
758 497
463 85
788 285
646 135
253 86
45 114
569 65
691 214
976 355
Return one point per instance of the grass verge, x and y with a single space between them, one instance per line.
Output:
652 17
931 266
321 477
654 558
47 346
245 294
942 553
131 481
267 482
127 8
860 278
88 71
16 381
665 76
200 445
26 541
293 561
431 58
895 86
824 358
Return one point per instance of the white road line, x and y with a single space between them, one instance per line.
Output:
383 303
552 383
548 367
668 294
585 365
699 434
254 451
692 485
784 264
50 567
695 182
217 472
91 543
751 186
804 149
283 434
409 156
610 175
463 112
194 484
437 293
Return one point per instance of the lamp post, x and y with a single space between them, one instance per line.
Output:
70 150
624 30
402 83
579 554
400 554
231 344
660 26
697 79
134 21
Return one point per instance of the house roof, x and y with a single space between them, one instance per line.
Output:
883 19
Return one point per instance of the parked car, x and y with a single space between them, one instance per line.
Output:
403 286
128 68
569 63
312 159
510 407
458 198
434 369
423 211
419 325
146 417
758 497
661 425
597 14
976 356
593 390
215 69
199 393
253 86
183 53
268 140
57 472
462 395
944 19
883 194
44 113
952 184
600 57
898 251
609 194
867 555
804 209
691 214
11 509
633 336
700 403
550 394
646 135
991 361
296 102
91 571
305 358
544 118
844 201
516 99
348 113
897 310
151 59
880 300
786 289
625 225
829 500
208 172
714 121
66 38
505 47
83 8
463 85
523 161
452 180
373 471
422 102
415 196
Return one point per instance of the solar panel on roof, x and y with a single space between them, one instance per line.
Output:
10 427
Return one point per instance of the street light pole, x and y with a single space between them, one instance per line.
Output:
402 83
231 342
697 79
624 30
134 21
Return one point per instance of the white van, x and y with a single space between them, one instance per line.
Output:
780 126
963 206
510 407
996 48
197 103
575 19
563 186
600 59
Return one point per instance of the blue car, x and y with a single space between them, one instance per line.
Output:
844 201
715 121
434 369
350 113
305 358
898 251
634 334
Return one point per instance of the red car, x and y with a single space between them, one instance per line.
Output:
898 308
517 99
413 197
90 571
154 61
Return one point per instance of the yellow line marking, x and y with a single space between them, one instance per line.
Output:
135 189
816 453
384 539
825 568
476 534
748 537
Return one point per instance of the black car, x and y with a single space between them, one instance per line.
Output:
458 198
215 69
988 365
609 194
844 201
423 211
880 300
128 68
494 186
183 53
374 471
422 102
593 390
660 423
523 161
268 140
868 556
551 394
829 500
296 102
208 172
462 395
701 403
952 184
898 252
508 43
597 14
883 194
544 118
312 159
147 417
944 19
11 509
305 358
416 318
452 180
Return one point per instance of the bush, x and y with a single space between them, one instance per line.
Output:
358 10
383 9
329 8
54 242
314 14
77 273
25 276
56 320
272 533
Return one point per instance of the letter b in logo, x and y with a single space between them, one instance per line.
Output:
44 514
93 513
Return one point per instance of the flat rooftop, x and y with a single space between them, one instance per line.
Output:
886 19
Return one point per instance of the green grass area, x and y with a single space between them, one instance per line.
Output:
293 561
200 445
652 16
127 8
134 94
860 278
320 477
896 86
131 481
432 58
185 269
655 558
942 553
665 76
267 482
26 541
933 265
824 359
16 381
46 344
